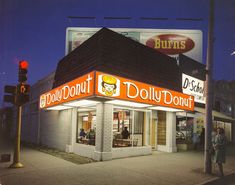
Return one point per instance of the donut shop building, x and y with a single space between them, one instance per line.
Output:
107 85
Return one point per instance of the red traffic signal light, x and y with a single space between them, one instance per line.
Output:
23 70
23 64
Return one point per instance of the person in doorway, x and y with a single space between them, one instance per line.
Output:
219 147
125 133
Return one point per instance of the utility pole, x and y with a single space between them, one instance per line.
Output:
209 91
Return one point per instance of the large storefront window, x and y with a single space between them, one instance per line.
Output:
86 127
128 128
227 128
184 130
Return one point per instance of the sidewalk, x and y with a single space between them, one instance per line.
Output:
157 169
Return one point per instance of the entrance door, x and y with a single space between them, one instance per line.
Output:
154 133
161 128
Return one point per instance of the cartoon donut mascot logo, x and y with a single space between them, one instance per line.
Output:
109 85
43 101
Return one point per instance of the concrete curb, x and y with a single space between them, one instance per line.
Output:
215 178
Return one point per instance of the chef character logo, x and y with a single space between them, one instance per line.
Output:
42 101
109 85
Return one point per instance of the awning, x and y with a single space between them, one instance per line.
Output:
217 116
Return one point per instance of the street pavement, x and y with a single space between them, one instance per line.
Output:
157 169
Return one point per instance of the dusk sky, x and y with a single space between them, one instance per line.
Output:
35 30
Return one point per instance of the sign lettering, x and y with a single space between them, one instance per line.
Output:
144 93
78 88
193 86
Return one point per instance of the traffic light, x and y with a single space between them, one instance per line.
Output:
11 91
23 70
22 94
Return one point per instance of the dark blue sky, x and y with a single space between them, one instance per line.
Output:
35 30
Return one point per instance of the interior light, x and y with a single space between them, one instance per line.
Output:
81 103
58 107
128 103
166 109
86 109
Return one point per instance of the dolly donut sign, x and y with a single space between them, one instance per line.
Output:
143 93
98 84
76 89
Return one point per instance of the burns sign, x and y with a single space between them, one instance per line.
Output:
171 42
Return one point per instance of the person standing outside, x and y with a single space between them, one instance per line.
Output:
202 138
195 140
220 148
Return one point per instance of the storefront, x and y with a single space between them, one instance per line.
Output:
113 117
220 120
190 125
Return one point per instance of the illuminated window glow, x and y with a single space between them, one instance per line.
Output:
128 103
166 109
81 103
58 107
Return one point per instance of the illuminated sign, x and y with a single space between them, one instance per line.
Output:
114 87
76 89
195 87
168 41
170 44
110 86
143 93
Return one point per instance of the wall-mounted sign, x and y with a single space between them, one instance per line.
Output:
76 89
195 87
114 87
130 90
171 42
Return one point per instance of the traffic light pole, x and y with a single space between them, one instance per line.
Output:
18 96
16 160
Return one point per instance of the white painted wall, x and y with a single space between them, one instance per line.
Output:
56 128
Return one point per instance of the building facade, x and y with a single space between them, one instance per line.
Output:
113 97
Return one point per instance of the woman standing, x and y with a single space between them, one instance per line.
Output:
219 146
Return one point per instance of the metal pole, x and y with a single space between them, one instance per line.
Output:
209 92
16 160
